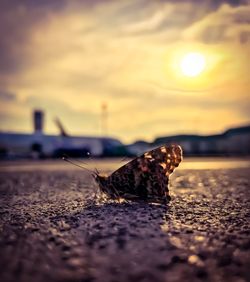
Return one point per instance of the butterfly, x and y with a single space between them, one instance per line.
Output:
144 178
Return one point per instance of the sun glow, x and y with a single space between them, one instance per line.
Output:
192 64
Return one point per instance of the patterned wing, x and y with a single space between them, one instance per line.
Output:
147 176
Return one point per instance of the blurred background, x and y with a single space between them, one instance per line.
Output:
114 78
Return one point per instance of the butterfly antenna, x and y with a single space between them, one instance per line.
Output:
92 160
79 161
124 159
66 159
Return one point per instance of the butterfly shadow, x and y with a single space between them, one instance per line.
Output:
122 236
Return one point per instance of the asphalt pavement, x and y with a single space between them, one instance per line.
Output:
53 229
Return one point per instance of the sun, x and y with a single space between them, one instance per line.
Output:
192 64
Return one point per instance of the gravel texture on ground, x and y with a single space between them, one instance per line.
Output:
52 231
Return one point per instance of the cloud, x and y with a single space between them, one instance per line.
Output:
68 57
17 21
227 24
7 96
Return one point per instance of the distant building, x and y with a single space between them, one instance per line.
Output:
233 142
138 147
39 144
237 141
38 121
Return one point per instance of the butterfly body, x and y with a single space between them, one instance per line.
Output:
144 178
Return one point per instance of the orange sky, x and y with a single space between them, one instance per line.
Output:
71 56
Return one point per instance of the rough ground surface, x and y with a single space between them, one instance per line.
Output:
50 232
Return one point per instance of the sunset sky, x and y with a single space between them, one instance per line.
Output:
70 57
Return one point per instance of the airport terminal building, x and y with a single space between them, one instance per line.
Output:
39 144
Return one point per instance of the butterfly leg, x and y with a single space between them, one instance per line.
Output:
112 193
159 200
96 191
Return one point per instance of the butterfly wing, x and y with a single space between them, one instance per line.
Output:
147 176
